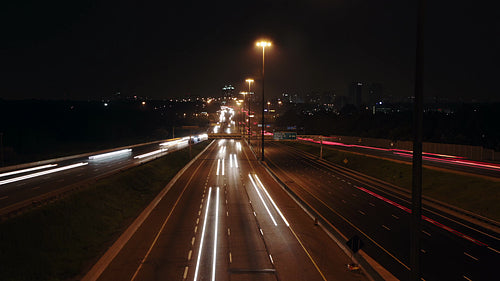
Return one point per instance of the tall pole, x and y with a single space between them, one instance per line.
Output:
249 80
416 193
263 125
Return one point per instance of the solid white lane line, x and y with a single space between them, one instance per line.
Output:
494 250
27 170
43 173
218 167
262 199
470 256
202 237
272 201
271 258
214 259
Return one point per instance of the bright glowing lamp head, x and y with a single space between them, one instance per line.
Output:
264 44
243 93
249 80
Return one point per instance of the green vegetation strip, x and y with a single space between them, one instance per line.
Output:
473 193
59 240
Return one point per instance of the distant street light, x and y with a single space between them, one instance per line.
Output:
263 44
249 81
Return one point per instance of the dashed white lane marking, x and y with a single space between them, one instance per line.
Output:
423 251
354 195
192 241
470 256
261 233
190 254
361 212
343 201
426 233
466 278
197 220
371 204
230 258
386 227
184 276
254 214
396 217
271 258
228 232
349 183
195 229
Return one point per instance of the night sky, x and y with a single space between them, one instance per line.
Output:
89 49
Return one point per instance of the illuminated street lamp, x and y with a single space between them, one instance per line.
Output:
263 44
249 81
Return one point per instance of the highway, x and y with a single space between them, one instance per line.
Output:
450 162
452 248
20 187
227 219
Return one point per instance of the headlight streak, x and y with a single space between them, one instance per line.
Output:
235 161
150 153
218 167
110 154
222 166
43 173
27 170
202 236
272 201
214 260
262 199
230 160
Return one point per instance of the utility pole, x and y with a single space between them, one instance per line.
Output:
416 193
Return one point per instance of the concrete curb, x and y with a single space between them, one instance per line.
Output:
95 272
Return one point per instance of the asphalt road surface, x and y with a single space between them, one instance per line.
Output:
452 248
227 219
19 186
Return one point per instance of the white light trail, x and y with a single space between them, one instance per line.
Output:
202 236
149 153
42 173
262 199
235 161
27 170
222 166
230 160
218 167
272 201
214 259
238 145
110 154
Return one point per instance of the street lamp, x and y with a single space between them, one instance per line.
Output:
263 44
249 81
244 117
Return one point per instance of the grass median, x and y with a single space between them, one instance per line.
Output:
59 240
473 193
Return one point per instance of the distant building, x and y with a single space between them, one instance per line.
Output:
356 93
375 93
228 91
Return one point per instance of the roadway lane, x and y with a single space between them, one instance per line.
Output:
451 249
227 219
25 190
450 162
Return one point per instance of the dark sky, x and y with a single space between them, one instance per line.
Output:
88 49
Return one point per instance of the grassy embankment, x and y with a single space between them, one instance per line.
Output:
473 193
59 240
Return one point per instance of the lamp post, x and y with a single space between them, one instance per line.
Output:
242 110
249 81
263 44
